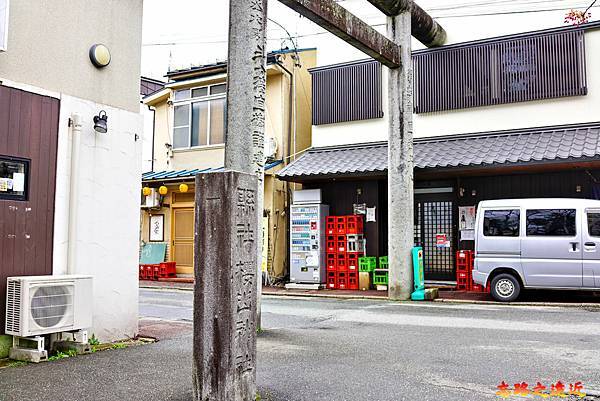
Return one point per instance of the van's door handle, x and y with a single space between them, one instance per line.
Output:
592 244
574 246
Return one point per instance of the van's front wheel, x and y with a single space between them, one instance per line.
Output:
505 287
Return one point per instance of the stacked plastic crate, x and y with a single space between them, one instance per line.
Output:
345 245
465 261
381 274
157 271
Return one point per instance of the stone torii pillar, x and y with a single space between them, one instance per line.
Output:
229 208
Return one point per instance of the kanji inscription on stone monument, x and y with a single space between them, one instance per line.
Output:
225 290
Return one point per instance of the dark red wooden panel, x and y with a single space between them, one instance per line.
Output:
29 130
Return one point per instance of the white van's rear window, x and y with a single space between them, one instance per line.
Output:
501 223
551 222
593 220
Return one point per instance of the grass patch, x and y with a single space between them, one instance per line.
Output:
62 355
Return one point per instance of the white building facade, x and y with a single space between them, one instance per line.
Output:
82 217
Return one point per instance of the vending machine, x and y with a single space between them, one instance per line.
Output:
307 237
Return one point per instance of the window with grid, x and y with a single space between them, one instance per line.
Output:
199 116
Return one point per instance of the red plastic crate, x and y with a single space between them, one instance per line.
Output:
354 224
155 272
340 225
352 258
142 273
167 269
479 288
342 281
341 263
331 280
463 260
463 280
150 271
352 280
331 262
330 225
341 244
331 244
463 284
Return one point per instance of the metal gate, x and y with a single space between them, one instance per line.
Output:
433 218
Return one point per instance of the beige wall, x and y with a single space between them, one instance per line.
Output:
49 41
276 123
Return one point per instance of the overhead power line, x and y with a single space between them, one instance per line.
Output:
440 16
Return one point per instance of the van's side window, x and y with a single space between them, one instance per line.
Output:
551 222
593 220
501 223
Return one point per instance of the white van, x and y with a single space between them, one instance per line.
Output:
537 243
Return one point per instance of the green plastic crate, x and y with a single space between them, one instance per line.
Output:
380 277
367 263
383 262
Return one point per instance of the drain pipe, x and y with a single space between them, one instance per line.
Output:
75 123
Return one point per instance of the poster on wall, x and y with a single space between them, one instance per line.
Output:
442 241
466 218
371 214
3 24
157 228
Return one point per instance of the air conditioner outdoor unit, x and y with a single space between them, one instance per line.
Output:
37 305
153 200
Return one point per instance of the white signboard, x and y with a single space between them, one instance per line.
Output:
157 228
3 24
371 214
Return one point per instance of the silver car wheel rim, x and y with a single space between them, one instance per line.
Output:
505 288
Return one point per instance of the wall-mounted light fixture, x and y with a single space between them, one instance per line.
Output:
100 55
101 122
183 188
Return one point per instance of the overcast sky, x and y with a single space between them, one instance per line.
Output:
184 33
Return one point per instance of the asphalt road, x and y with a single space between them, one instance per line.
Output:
315 349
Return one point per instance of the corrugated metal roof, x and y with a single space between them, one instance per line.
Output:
470 150
174 175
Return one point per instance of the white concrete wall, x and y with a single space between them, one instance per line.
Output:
108 213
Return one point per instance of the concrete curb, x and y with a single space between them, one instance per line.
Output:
328 296
149 287
544 304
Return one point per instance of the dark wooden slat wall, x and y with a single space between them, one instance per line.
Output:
28 129
540 66
347 93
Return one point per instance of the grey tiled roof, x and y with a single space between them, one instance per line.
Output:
471 150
